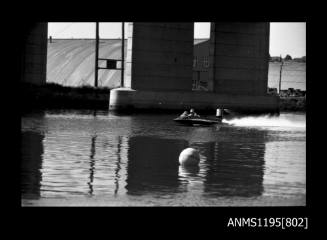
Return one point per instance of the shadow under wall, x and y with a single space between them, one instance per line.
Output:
31 163
153 165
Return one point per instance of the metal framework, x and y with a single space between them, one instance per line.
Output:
111 64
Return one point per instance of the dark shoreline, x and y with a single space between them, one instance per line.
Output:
55 96
292 104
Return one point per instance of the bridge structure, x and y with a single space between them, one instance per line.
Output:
159 67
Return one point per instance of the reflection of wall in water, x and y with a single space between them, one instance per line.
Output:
153 165
31 163
235 169
206 149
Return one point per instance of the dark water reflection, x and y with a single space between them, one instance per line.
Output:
31 164
92 163
66 154
235 169
152 166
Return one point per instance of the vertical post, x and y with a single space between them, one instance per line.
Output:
198 81
96 54
122 54
280 74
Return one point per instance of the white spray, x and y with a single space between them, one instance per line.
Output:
284 120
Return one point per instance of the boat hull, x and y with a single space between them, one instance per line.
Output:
197 121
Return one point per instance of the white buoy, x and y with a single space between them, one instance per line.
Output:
189 156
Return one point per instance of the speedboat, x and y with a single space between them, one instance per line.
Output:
197 121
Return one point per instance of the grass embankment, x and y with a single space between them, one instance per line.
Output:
52 95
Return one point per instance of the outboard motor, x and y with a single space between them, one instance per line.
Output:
219 114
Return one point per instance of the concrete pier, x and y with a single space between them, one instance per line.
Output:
33 53
239 55
128 100
159 69
159 56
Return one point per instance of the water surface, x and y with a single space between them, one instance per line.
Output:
99 157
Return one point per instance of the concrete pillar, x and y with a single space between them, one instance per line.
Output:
158 63
161 55
34 53
239 56
158 69
128 59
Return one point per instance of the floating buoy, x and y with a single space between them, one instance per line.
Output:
189 156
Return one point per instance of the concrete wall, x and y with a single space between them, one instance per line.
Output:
161 58
34 53
240 53
123 99
159 64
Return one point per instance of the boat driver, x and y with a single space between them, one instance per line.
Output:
193 113
184 114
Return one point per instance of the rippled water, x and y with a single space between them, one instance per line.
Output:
134 159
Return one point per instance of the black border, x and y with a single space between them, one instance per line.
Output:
193 220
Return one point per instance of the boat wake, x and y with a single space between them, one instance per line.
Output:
267 121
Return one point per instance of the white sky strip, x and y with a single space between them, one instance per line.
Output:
285 37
